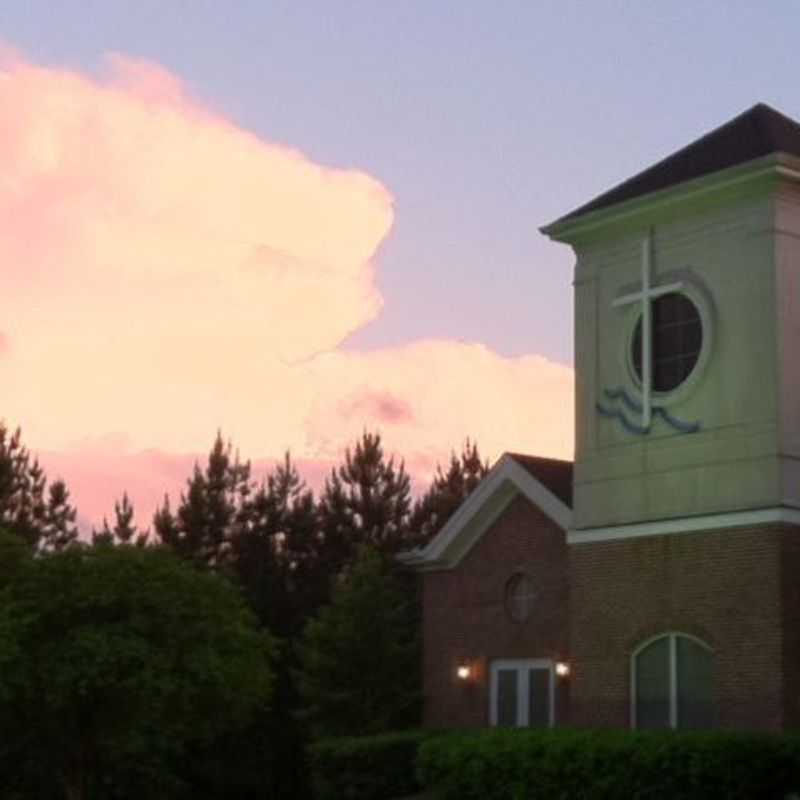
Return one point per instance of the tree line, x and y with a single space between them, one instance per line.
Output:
315 576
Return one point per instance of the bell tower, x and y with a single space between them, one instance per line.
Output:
687 337
684 547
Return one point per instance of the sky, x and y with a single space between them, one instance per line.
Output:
296 221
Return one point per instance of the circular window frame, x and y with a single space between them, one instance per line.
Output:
508 600
701 299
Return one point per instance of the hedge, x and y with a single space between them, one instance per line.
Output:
366 768
610 765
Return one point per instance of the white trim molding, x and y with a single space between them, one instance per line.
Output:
480 510
780 515
773 165
522 667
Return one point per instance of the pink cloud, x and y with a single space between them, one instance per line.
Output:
457 389
381 408
168 274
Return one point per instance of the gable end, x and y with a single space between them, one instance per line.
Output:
546 483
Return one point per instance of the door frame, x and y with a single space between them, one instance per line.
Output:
522 666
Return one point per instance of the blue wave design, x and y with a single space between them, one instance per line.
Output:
620 394
615 413
633 405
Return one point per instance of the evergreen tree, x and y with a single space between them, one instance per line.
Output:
447 492
359 658
39 514
214 506
59 529
22 489
274 550
103 537
366 501
124 530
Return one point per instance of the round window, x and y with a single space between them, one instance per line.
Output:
520 597
677 338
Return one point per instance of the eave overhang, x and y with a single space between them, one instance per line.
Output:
754 176
506 480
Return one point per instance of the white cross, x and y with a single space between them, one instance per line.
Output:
645 296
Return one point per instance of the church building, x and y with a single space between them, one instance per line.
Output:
655 582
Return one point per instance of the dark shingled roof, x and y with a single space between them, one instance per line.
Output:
554 474
757 132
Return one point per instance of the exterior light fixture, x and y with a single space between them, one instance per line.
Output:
562 669
464 672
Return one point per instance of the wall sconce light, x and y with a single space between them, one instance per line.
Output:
562 669
464 672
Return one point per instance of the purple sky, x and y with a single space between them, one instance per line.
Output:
485 120
445 134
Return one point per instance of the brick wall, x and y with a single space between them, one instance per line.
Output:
737 590
465 620
790 575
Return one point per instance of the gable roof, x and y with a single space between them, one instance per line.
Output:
556 475
545 482
759 131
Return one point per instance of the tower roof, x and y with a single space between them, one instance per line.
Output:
759 131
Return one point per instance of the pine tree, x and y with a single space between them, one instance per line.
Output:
103 537
59 529
214 506
274 551
124 530
447 492
40 515
366 501
22 489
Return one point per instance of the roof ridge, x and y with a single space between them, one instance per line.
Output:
517 454
758 131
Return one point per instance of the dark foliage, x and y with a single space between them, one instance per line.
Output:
41 515
366 768
447 492
114 662
265 538
274 556
359 658
124 530
610 765
366 501
213 508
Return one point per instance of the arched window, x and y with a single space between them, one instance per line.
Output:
672 683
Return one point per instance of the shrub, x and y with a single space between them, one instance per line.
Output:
610 765
366 768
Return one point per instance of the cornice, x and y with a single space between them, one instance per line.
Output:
750 178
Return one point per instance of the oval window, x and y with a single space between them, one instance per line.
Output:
520 597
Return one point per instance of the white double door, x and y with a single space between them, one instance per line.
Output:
522 693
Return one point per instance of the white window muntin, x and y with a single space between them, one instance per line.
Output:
523 668
673 637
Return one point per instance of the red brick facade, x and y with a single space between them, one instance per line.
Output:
465 619
734 589
737 590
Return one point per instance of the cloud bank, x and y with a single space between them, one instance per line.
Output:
166 274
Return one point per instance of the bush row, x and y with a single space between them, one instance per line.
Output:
610 765
366 768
